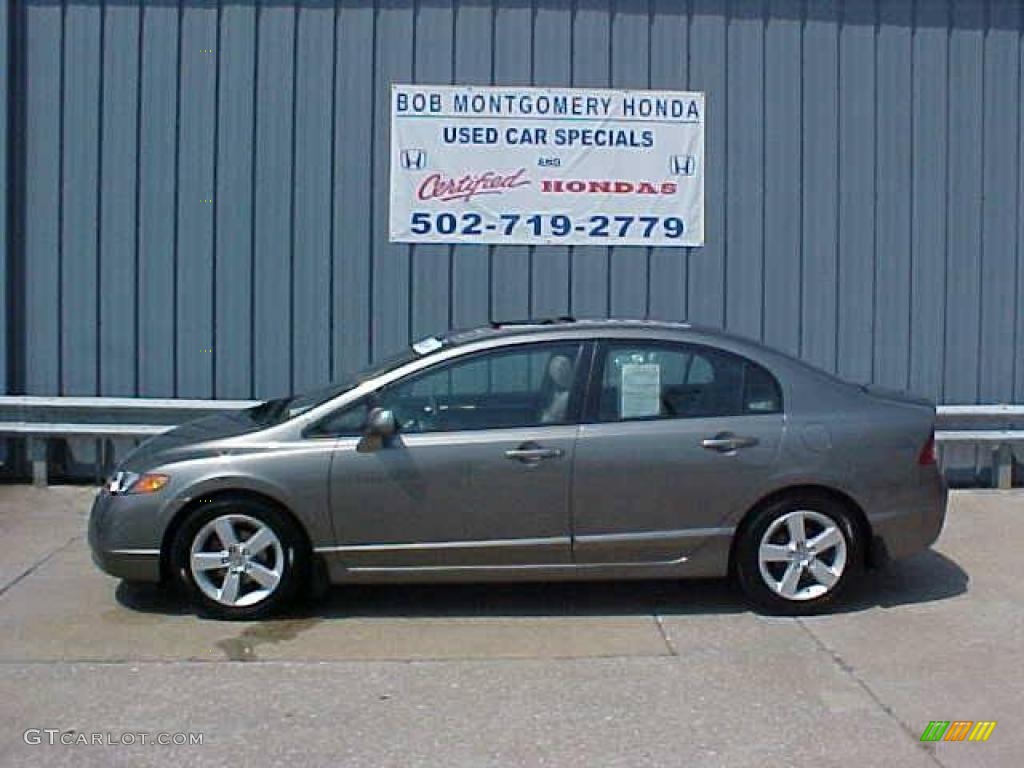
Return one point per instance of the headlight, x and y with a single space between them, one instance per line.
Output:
132 482
121 482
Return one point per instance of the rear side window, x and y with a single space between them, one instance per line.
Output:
680 381
761 391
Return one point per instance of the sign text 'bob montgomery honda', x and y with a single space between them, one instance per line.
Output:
546 166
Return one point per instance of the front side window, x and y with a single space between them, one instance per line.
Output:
284 408
523 386
680 381
350 420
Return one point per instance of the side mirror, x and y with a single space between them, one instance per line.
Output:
381 422
380 426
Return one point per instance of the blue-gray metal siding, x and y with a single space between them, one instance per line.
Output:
201 197
4 185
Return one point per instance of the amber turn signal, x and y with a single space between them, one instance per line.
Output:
149 484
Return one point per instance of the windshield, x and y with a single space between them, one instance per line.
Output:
284 408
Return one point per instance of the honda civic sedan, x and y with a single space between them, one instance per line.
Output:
536 451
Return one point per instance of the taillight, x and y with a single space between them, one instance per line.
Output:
927 454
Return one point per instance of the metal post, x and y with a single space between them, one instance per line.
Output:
37 455
1002 466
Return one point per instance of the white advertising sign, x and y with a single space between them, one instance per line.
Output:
546 166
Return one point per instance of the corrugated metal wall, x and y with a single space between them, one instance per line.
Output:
200 187
4 197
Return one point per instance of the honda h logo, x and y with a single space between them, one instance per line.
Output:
682 165
414 159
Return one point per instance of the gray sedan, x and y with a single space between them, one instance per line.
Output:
547 450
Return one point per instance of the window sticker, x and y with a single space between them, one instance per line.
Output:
427 345
640 390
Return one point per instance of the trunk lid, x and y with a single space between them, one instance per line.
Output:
898 396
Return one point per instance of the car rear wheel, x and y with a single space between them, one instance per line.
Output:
239 558
797 555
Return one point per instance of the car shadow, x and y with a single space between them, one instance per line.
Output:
922 578
926 577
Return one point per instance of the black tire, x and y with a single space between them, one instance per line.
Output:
293 549
748 570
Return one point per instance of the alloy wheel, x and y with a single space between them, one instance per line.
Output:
802 555
237 560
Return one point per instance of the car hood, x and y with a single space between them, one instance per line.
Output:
191 439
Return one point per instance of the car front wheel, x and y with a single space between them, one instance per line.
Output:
239 558
797 555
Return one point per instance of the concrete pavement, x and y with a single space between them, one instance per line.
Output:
645 673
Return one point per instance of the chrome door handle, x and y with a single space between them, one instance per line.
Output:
726 443
534 454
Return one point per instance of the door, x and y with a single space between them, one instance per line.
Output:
478 472
676 435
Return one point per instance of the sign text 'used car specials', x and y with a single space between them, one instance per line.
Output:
536 166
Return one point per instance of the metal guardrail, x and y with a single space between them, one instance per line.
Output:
997 428
38 419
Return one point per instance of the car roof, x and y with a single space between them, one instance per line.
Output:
499 328
782 364
561 325
573 328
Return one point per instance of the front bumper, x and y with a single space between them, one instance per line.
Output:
121 538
